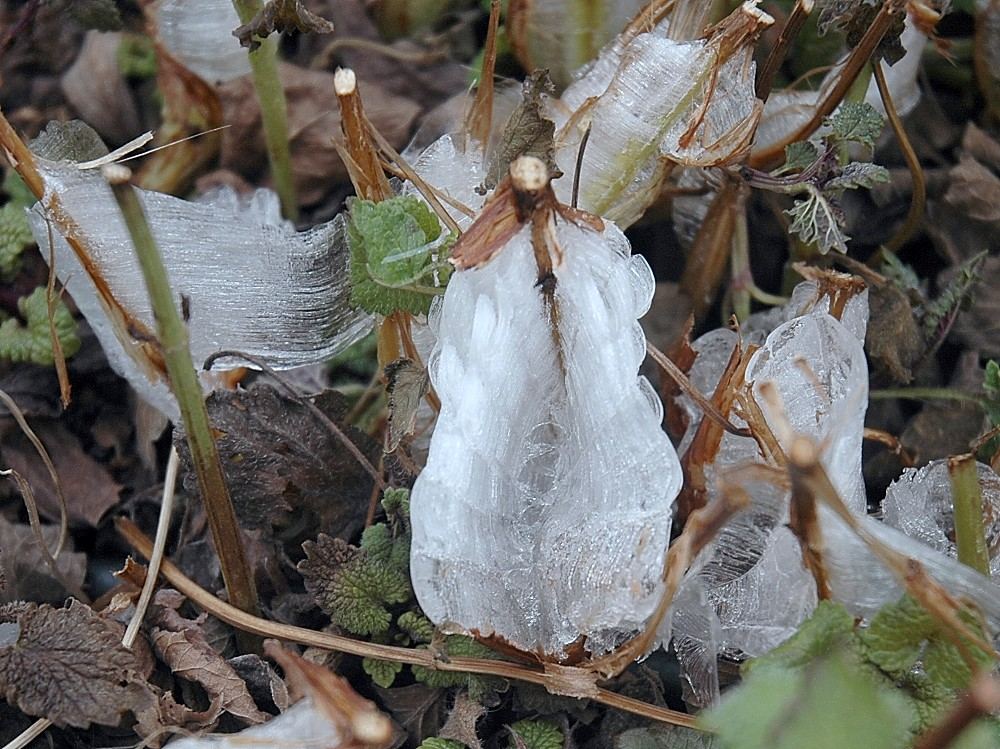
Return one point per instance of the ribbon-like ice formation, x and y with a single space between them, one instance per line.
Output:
543 513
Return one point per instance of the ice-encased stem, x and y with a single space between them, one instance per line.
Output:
273 109
172 332
967 499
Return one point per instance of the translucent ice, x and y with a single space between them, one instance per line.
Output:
252 282
302 725
543 513
919 503
199 33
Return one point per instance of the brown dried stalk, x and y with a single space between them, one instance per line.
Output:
793 25
982 700
363 164
479 121
413 656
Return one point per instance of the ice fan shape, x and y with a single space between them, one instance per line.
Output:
543 513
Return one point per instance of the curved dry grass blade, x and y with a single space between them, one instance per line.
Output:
18 415
337 643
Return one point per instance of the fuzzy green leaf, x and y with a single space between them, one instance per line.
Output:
858 174
17 192
479 686
436 743
536 734
31 341
15 238
389 543
817 221
829 704
799 155
830 627
665 737
354 589
383 673
395 255
417 626
894 639
856 121
941 312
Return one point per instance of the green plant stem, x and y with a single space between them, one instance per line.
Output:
967 498
173 337
920 394
273 110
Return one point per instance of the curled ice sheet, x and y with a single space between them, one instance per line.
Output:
302 725
543 513
252 282
690 102
919 503
199 33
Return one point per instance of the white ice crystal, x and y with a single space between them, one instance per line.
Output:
302 725
919 503
544 510
252 282
199 33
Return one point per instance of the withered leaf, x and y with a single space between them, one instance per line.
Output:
461 723
89 488
23 566
406 384
978 326
894 340
190 657
66 664
279 16
417 708
279 457
527 132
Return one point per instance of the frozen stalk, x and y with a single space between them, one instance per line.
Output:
543 514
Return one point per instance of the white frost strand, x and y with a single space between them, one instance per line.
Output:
544 510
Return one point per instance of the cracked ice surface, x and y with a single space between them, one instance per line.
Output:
919 503
544 510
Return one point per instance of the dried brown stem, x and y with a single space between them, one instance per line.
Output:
480 118
793 25
853 65
364 166
414 656
918 197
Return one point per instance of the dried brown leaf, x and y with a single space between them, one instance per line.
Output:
190 657
67 664
416 708
894 340
279 16
406 384
95 87
461 723
279 457
23 565
527 132
89 488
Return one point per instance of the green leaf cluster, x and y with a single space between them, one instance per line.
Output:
481 688
855 122
15 238
30 340
536 734
359 586
436 743
833 684
396 255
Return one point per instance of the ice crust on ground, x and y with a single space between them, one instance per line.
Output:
544 510
919 503
253 282
199 33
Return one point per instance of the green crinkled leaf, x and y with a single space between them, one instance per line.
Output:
899 272
417 626
828 704
941 311
479 686
856 122
15 238
983 734
665 737
383 673
817 221
799 156
536 734
354 589
858 174
894 639
17 192
394 255
436 743
929 700
390 543
31 341
830 627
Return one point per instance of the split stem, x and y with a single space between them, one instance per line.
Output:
967 498
273 109
173 336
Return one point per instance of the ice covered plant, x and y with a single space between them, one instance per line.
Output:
543 513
